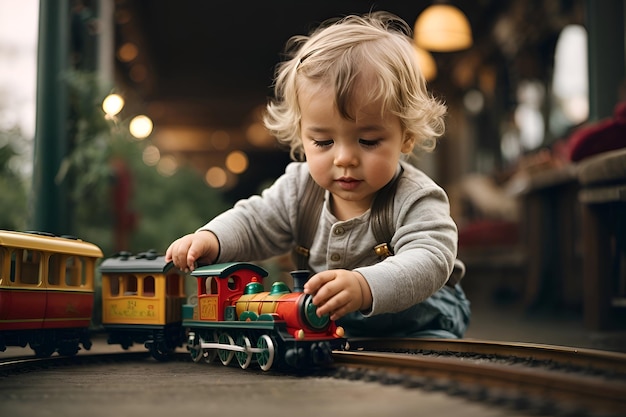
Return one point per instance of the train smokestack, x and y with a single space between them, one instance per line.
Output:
300 278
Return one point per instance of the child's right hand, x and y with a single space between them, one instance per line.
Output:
185 252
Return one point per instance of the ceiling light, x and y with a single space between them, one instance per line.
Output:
442 28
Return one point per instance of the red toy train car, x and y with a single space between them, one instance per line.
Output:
46 292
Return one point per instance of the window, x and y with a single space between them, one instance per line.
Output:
172 285
75 271
13 271
570 83
114 285
211 286
4 257
54 269
130 285
148 286
233 282
27 266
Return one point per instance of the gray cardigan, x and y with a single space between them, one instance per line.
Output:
424 243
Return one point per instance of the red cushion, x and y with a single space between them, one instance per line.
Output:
489 233
606 135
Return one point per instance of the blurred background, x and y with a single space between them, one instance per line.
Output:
129 123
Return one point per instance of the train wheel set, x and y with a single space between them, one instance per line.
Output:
226 348
262 349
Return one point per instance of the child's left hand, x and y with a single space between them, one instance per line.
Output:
338 292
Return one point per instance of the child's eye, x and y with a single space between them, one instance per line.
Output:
322 143
369 143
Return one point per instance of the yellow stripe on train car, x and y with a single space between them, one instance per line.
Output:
49 244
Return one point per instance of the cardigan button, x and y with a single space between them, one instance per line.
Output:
335 257
339 230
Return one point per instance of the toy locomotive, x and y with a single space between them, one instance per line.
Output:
47 298
234 316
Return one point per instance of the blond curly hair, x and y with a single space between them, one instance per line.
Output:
339 54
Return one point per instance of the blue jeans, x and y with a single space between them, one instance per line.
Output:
446 314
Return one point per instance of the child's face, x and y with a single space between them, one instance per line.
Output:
353 159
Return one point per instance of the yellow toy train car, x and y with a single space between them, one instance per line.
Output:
142 299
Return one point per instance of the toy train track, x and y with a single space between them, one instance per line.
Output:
550 379
596 361
532 378
21 364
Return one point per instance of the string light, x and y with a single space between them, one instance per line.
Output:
140 127
113 104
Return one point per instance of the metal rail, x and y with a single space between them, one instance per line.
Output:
21 362
613 362
476 368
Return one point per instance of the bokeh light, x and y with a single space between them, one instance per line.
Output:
140 127
167 166
127 52
237 162
113 104
151 155
216 177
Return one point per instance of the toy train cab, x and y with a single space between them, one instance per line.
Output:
46 291
142 298
234 316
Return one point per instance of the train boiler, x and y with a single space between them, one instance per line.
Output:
234 317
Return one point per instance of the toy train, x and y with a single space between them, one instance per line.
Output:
47 301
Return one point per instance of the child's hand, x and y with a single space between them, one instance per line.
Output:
201 246
338 292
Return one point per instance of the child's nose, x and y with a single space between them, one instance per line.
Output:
345 156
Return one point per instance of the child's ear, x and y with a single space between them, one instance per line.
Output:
408 144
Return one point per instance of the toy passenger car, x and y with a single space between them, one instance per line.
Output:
142 299
46 292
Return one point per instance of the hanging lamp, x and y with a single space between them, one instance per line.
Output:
442 28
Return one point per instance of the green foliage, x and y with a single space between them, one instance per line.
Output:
13 203
92 139
13 190
165 207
